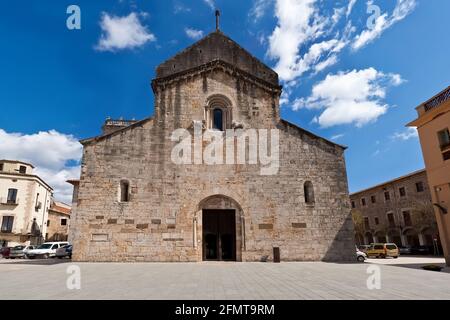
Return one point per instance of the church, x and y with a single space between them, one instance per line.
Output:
145 195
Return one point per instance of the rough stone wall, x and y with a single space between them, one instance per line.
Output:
162 220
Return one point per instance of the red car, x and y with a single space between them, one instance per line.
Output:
4 252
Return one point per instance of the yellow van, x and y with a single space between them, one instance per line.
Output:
383 250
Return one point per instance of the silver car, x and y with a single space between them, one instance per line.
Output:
19 251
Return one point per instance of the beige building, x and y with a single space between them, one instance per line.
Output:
135 203
433 125
58 222
398 211
24 203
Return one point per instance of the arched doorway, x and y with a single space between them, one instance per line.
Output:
380 237
427 237
221 229
412 238
368 238
394 236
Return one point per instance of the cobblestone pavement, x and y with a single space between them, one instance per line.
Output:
46 279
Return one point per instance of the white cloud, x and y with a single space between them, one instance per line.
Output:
179 7
309 36
210 3
407 134
122 33
193 33
354 97
351 4
50 152
299 26
384 22
259 9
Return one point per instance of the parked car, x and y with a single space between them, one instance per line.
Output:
4 252
45 250
363 248
65 251
405 249
383 250
360 256
417 250
20 251
421 250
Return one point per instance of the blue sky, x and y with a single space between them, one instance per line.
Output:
346 78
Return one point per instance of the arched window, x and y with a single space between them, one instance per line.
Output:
218 119
124 191
309 192
218 112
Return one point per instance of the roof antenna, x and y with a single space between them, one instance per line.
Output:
217 19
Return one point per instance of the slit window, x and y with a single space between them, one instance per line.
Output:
124 191
309 192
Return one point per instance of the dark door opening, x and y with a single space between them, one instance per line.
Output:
219 235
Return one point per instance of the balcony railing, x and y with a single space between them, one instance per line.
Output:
10 202
438 100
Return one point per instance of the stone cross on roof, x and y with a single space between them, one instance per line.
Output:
217 19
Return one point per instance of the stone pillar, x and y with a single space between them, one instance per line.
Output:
421 239
403 238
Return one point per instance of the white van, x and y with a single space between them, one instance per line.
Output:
45 250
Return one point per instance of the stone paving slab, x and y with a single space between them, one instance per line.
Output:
46 279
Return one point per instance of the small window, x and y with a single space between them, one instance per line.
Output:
419 186
377 221
12 196
387 196
124 191
55 246
1 166
48 223
218 119
7 223
353 205
444 139
363 202
373 199
407 218
446 155
309 192
402 191
391 220
22 169
64 222
366 223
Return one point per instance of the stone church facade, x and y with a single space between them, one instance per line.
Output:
133 203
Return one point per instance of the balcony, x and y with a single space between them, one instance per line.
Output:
9 202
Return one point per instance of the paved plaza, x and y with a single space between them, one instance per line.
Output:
400 279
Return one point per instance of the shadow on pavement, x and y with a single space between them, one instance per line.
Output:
42 262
